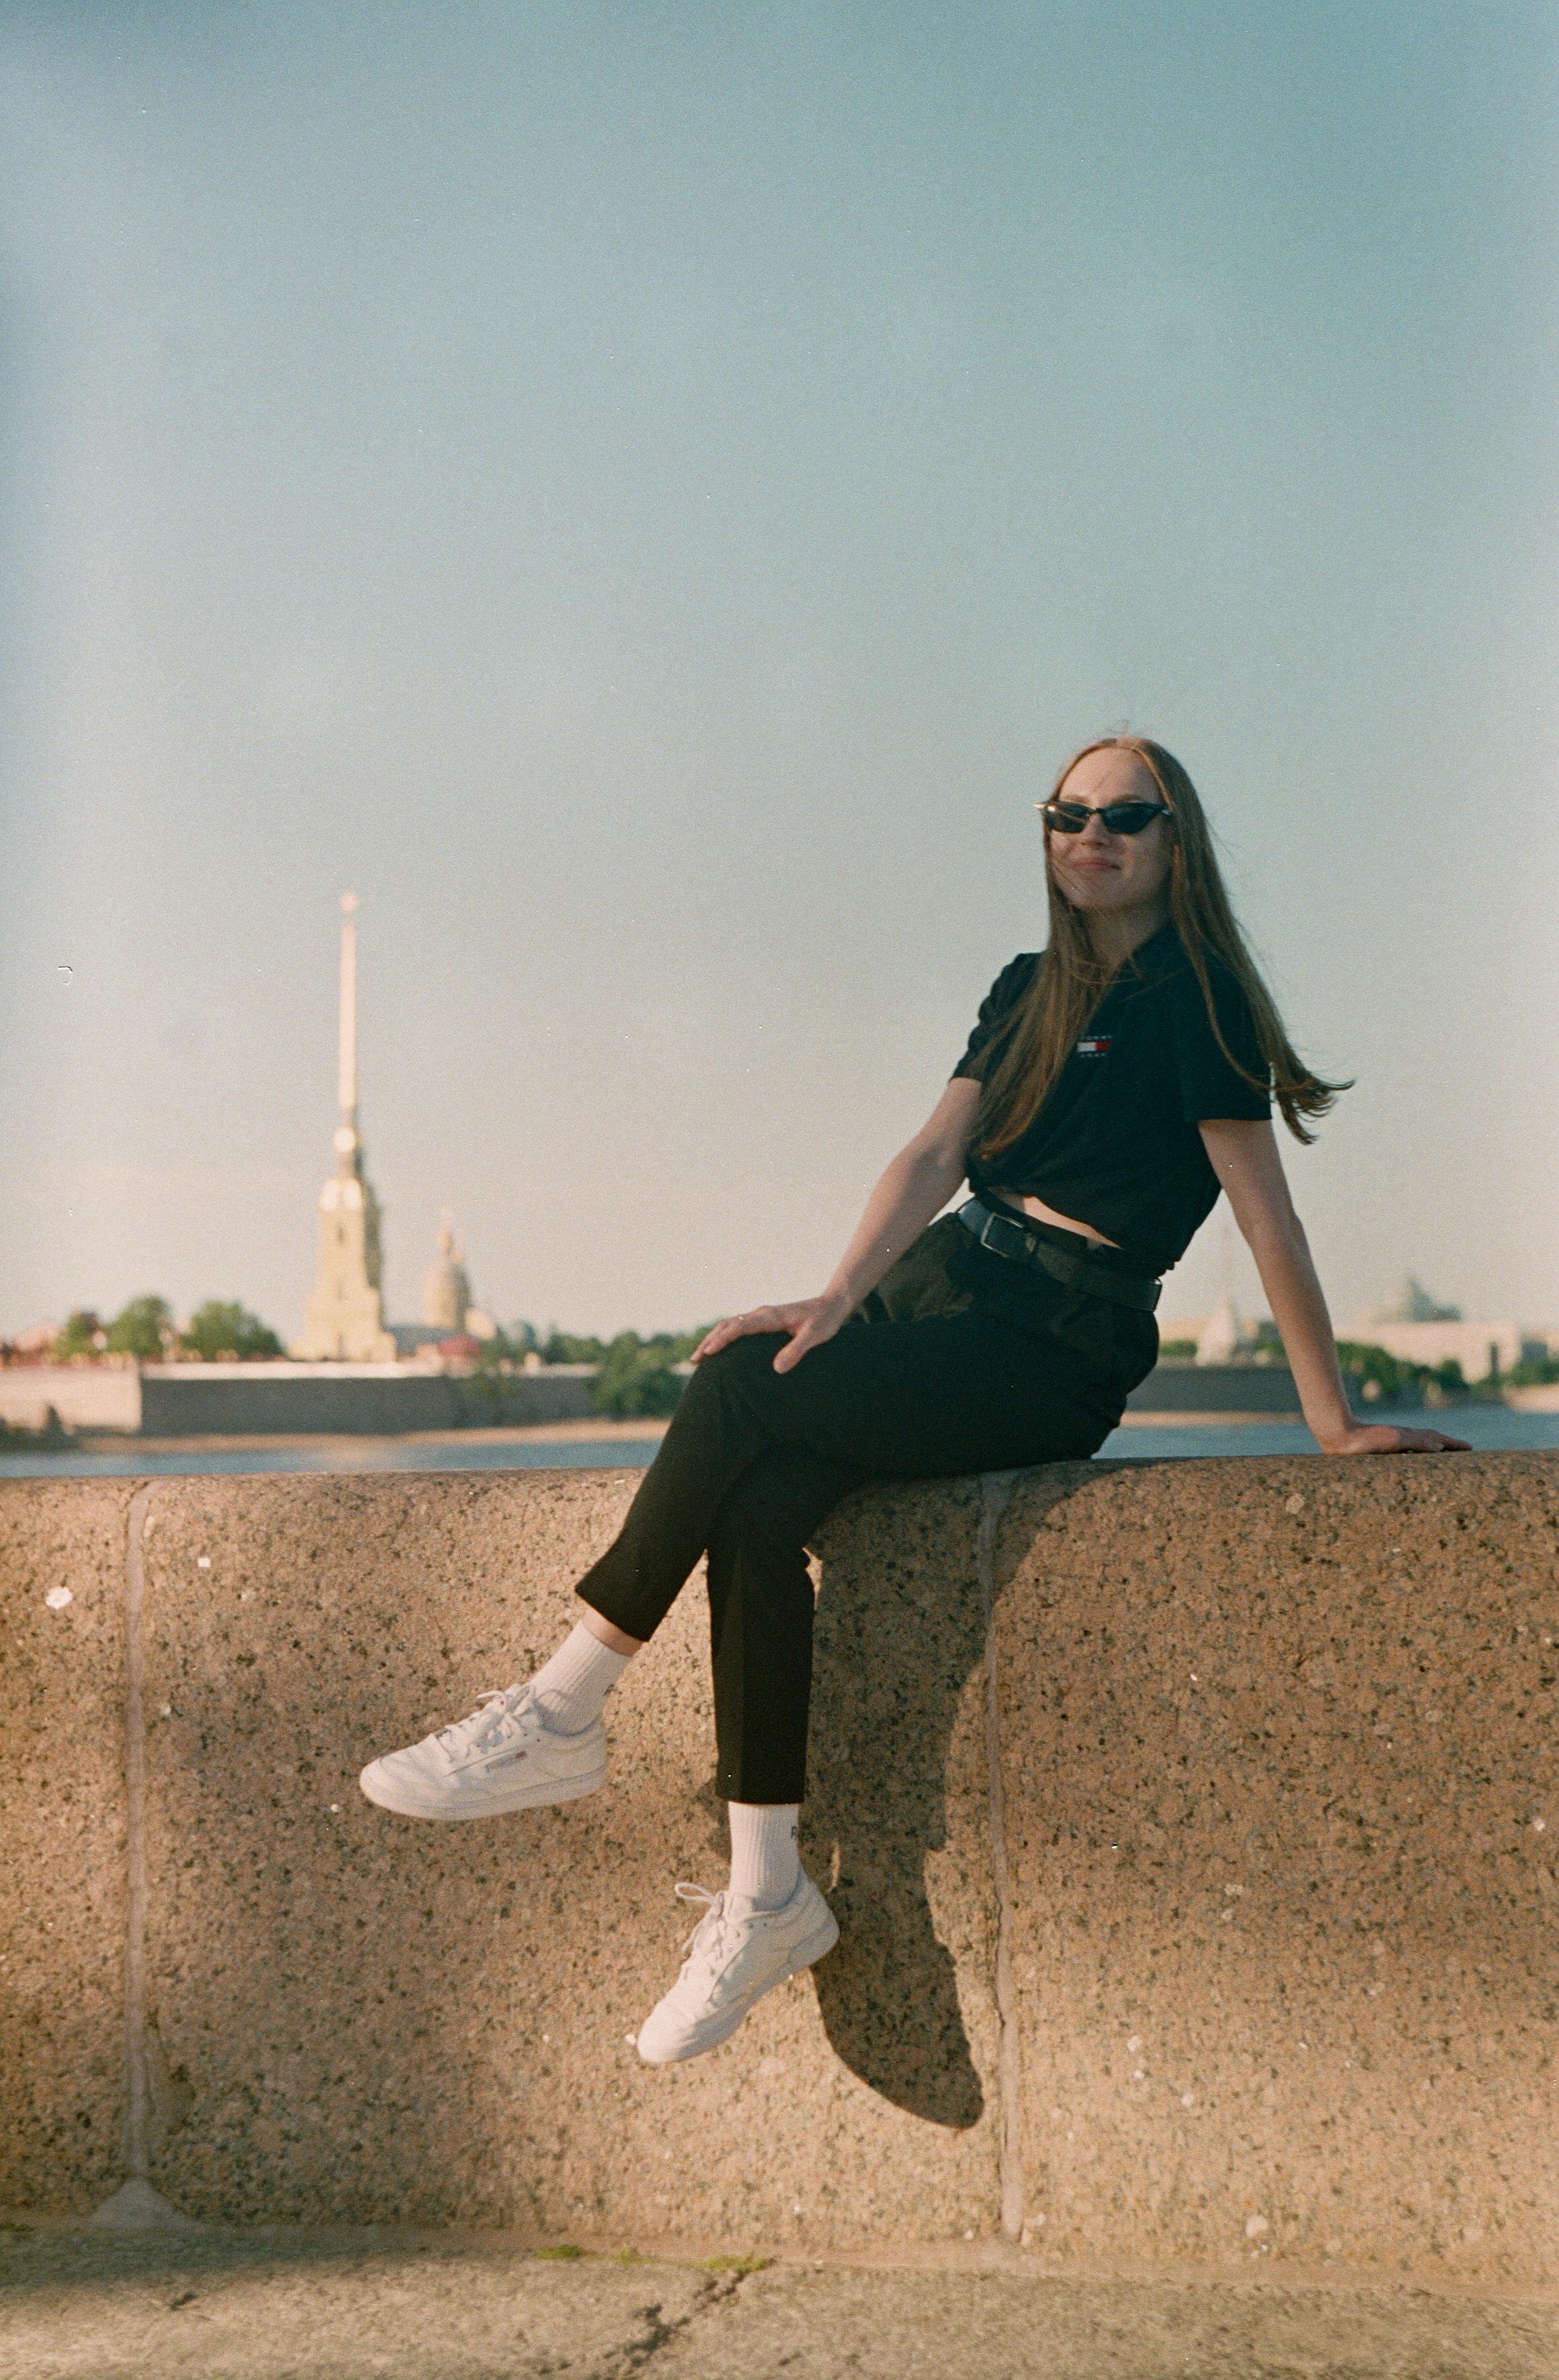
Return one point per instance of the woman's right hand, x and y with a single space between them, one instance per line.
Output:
808 1321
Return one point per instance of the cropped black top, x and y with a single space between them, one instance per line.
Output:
1116 1144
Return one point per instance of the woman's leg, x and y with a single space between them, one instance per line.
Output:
770 1921
932 1397
761 1608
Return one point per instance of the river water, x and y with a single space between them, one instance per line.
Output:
1488 1427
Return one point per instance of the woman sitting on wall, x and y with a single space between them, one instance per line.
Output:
1113 1083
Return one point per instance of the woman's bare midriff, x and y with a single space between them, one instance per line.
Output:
1043 1214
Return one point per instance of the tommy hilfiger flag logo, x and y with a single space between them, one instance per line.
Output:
1096 1045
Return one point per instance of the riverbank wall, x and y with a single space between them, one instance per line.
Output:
283 1399
1191 1828
286 1399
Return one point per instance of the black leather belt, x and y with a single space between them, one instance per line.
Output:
1004 1236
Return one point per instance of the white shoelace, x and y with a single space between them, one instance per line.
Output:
495 1717
706 1944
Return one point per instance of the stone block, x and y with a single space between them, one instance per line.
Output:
366 2017
1279 1762
62 1841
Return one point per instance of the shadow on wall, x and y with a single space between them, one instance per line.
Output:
899 1791
884 1719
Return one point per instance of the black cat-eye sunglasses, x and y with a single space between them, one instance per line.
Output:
1120 818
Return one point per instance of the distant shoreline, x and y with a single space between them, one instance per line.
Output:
115 1442
602 1432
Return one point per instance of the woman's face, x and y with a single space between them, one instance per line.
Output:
1098 870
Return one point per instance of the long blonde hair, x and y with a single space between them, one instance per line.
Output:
1038 1037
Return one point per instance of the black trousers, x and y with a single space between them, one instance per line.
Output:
960 1361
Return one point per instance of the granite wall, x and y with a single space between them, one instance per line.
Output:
284 1398
1190 1825
1187 1387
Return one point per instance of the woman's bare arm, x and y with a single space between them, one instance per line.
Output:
1248 1162
914 1186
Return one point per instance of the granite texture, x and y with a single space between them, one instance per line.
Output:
62 1841
366 2017
1277 1755
1279 1769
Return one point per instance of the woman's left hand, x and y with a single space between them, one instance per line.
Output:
1386 1438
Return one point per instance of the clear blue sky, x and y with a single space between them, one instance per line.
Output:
646 495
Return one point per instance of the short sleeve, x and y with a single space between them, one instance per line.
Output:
1211 1088
995 1011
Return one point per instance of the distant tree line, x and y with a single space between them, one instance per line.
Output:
1377 1375
1392 1380
145 1329
635 1379
635 1376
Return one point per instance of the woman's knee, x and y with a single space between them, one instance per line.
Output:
741 1373
745 1358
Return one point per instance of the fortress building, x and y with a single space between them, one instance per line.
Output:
345 1318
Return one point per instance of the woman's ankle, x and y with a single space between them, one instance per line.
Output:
570 1689
615 1639
765 1851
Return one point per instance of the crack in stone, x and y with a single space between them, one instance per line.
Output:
138 2109
136 2205
634 2357
995 1491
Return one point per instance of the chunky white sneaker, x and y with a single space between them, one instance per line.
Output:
502 1757
734 1958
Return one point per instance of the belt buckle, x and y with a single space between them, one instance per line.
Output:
1024 1245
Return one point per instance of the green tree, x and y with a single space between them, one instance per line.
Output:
635 1378
482 1391
562 1348
139 1329
224 1327
83 1335
1377 1373
681 1343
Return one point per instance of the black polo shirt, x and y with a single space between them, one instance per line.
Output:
1116 1144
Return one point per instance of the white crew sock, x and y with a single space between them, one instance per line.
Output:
570 1689
765 1859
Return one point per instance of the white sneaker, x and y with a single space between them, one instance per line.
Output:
502 1757
735 1957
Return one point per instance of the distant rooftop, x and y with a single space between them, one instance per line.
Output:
1414 1303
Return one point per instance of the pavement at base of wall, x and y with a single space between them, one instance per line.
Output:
285 2304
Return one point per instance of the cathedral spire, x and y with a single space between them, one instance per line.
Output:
348 1148
344 1321
347 1069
